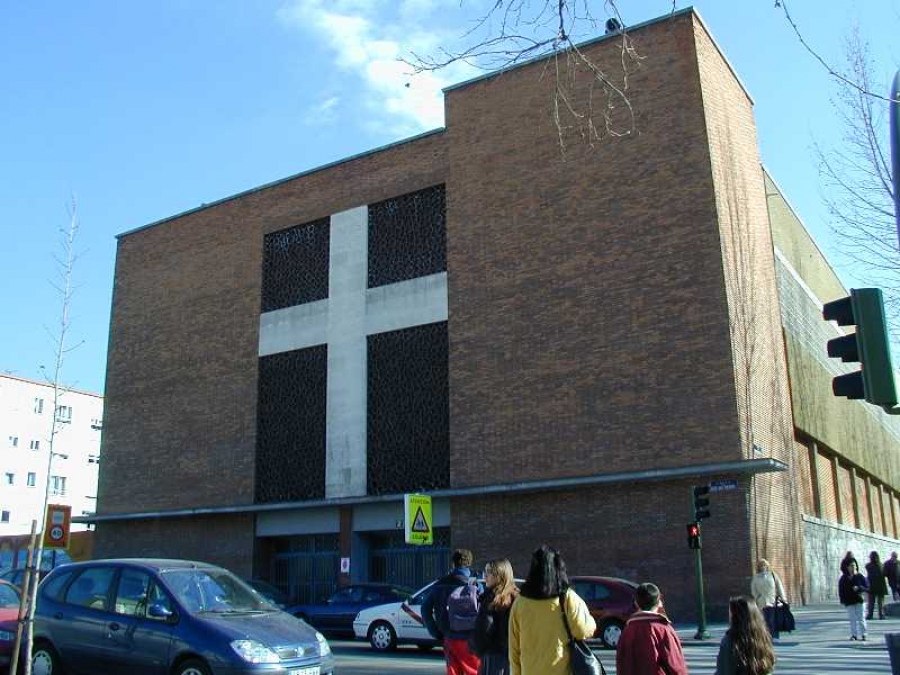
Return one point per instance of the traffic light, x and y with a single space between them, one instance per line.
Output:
693 534
869 345
701 502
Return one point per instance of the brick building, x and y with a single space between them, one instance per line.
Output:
555 347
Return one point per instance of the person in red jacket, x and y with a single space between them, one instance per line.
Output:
649 644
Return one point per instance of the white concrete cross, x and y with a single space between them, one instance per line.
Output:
342 321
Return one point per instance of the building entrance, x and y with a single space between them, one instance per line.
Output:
391 560
305 567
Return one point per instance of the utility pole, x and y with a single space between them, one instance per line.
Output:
895 145
699 504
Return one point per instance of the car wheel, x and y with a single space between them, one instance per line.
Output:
382 637
192 667
610 632
44 660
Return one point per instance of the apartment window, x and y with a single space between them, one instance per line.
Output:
32 478
64 413
10 478
14 441
58 485
39 406
35 445
4 516
93 459
96 423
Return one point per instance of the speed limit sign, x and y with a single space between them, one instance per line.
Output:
56 529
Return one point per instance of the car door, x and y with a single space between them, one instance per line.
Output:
79 622
339 611
137 643
410 623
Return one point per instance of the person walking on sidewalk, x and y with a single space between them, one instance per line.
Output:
490 641
877 585
766 588
538 641
436 616
747 647
850 591
649 644
891 574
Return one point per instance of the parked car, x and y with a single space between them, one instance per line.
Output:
386 626
274 595
610 601
337 613
167 617
16 575
9 617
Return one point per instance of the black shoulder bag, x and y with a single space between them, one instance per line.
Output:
583 660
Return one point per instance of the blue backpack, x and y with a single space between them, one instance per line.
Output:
462 608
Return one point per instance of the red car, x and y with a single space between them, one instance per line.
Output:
610 601
9 616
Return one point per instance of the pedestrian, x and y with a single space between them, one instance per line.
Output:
766 588
490 640
649 644
538 641
877 585
848 558
850 591
436 615
891 575
747 647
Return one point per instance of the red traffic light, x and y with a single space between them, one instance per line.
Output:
693 530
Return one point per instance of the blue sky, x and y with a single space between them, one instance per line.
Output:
144 110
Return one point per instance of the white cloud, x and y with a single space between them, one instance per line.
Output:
367 41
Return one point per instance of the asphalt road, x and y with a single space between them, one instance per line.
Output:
819 646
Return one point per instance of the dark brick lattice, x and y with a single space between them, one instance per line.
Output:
290 441
407 237
295 265
408 410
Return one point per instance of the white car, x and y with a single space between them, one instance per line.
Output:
386 626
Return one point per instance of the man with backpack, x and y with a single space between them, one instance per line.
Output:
449 612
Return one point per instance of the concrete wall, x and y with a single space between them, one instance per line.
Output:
825 546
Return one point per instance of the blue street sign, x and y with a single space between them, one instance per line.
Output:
722 485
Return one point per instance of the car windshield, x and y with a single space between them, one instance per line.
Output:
213 590
8 596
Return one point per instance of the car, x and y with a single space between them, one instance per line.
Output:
610 601
396 623
16 575
166 617
388 625
9 619
337 613
269 592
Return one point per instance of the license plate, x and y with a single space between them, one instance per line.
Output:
304 671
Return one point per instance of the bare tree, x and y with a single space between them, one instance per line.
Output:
514 31
856 176
65 264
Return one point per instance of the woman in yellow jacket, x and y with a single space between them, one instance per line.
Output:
538 643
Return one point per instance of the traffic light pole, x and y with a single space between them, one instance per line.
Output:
702 633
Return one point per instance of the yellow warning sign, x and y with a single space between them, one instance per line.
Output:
417 519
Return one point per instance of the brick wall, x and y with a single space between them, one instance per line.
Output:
221 540
181 381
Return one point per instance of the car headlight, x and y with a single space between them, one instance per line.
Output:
324 647
254 652
7 636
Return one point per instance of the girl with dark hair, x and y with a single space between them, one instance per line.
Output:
490 640
538 642
747 647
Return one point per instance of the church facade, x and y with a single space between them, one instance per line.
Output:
556 346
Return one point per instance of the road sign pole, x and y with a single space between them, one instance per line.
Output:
895 145
702 633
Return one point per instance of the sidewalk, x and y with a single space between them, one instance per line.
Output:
820 645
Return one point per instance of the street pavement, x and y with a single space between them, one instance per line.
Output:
820 645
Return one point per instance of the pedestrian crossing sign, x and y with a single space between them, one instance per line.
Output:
417 519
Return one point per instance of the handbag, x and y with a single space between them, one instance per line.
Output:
583 660
784 618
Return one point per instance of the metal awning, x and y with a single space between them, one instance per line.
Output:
742 467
